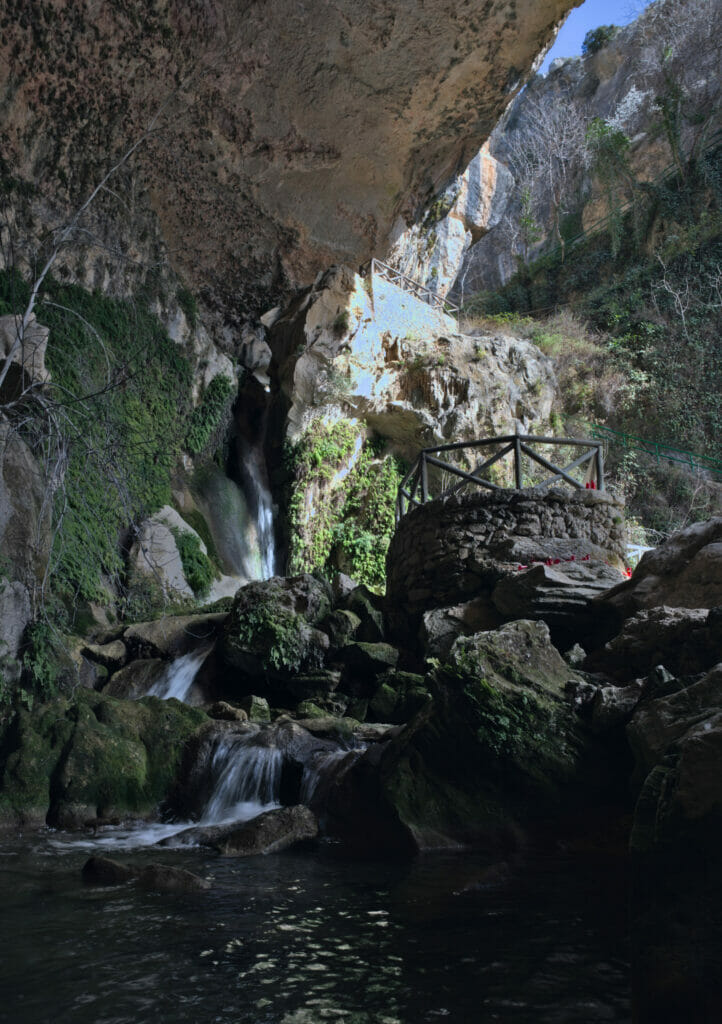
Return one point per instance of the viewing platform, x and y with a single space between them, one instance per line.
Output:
508 462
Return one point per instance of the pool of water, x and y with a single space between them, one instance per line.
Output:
301 938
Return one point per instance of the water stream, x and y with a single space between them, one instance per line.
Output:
177 679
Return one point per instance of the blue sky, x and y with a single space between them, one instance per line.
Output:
590 15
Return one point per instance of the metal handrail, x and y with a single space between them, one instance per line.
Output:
657 449
393 276
414 490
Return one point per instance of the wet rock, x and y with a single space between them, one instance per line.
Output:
135 680
224 712
89 756
104 871
497 746
256 708
270 833
307 709
363 663
172 635
156 877
271 629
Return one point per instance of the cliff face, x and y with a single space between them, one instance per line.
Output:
286 136
656 81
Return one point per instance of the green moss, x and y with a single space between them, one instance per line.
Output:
187 302
210 415
197 567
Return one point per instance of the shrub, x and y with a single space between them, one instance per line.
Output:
597 38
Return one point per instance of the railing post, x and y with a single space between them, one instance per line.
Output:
424 479
600 468
517 459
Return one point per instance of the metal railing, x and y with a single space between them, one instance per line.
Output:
425 480
415 288
657 450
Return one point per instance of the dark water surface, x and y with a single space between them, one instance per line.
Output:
300 938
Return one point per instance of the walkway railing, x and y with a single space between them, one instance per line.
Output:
658 450
419 291
427 478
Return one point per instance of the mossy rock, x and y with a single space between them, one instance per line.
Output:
399 697
363 664
92 756
493 748
271 629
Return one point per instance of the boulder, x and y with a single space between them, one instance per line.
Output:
683 572
224 712
342 626
684 640
256 709
441 626
398 698
497 746
676 901
560 594
112 655
368 608
270 832
136 679
271 630
156 877
171 636
91 756
363 663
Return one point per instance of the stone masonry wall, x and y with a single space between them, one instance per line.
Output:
453 550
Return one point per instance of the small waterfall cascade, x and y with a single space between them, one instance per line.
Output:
177 679
245 776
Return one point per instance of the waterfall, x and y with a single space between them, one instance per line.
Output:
260 501
177 679
245 776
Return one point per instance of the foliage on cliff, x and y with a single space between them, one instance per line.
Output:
342 500
112 426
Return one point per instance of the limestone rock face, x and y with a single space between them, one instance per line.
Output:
28 364
289 135
368 350
683 572
25 541
618 84
433 251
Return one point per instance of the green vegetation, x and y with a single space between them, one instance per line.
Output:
120 416
187 302
210 416
341 323
277 631
197 567
636 344
597 38
341 508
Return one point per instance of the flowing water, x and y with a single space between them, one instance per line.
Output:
177 679
303 938
260 501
